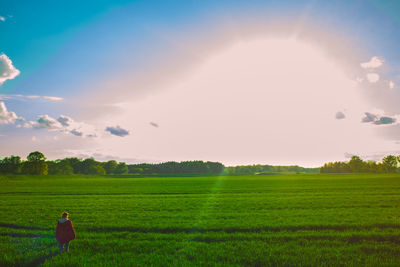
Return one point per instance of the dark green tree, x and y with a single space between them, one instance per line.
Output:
98 169
356 164
10 165
35 164
87 166
121 168
75 163
389 163
110 166
215 167
90 166
372 167
36 156
60 167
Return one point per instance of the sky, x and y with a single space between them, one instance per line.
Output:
288 82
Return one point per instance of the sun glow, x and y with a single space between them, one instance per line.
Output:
258 101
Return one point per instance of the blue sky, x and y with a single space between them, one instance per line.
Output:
93 61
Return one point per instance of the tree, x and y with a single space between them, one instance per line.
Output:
356 164
90 166
36 157
60 167
389 163
335 167
215 167
135 170
35 164
87 166
11 165
372 166
75 163
110 166
35 168
97 169
121 168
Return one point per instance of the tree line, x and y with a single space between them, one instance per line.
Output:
36 163
357 165
264 169
184 167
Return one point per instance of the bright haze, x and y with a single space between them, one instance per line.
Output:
239 82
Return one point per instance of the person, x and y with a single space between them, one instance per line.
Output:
65 232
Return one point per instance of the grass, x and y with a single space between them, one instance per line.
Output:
279 220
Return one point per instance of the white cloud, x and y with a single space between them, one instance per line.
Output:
7 70
29 97
34 138
63 124
375 62
77 128
118 131
7 117
391 84
8 97
27 125
2 18
53 98
47 122
373 77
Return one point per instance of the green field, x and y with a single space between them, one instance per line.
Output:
276 220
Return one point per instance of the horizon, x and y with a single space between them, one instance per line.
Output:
119 160
241 82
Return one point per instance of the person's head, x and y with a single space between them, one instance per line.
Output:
65 215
